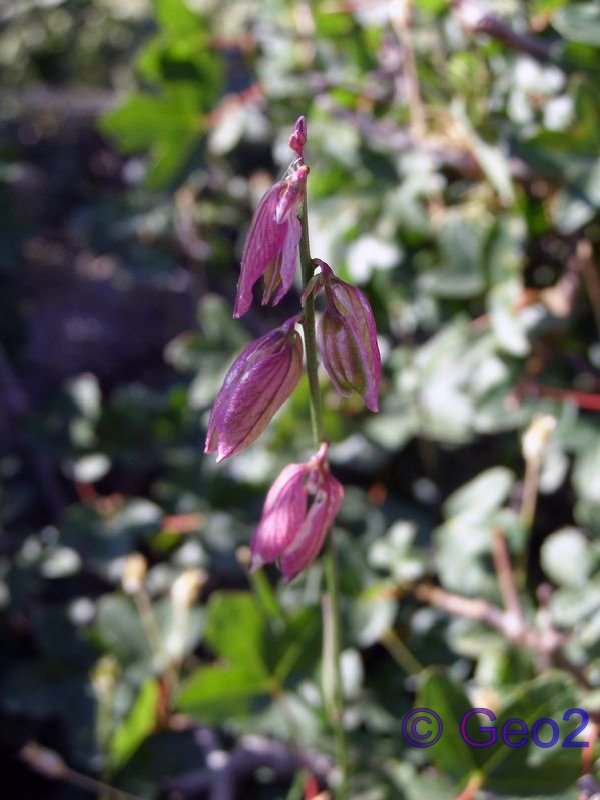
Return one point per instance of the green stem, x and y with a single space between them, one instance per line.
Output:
333 589
310 339
332 626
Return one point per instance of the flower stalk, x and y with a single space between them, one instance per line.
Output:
310 336
331 602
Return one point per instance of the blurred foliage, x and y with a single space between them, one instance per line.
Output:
455 176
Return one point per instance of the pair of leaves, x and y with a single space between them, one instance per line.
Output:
258 656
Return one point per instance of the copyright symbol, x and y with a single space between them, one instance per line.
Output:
422 727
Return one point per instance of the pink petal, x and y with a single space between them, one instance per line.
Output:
259 381
283 513
292 194
347 339
257 395
308 541
219 406
263 242
289 258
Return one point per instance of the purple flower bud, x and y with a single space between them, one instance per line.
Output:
299 136
258 382
347 340
291 530
272 241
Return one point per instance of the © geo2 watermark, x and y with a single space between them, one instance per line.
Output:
423 727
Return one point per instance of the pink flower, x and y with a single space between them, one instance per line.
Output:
272 242
347 339
291 530
258 382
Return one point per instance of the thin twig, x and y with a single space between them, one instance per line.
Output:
471 608
396 139
547 642
51 765
400 652
475 19
400 17
224 770
472 788
506 578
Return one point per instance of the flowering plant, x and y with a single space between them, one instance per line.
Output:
267 371
301 505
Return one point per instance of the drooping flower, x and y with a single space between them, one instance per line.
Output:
299 509
271 247
347 339
258 382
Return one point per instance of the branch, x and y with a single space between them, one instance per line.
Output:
50 764
475 19
225 770
400 19
470 608
547 642
506 579
397 139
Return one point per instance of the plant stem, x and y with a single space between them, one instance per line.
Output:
310 339
331 626
333 590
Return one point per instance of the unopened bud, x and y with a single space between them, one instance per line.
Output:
536 437
46 762
299 136
187 586
104 676
347 340
258 382
243 556
134 573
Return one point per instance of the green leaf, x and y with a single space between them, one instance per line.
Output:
261 655
460 242
451 754
144 119
491 159
214 694
372 614
565 557
571 606
534 771
177 18
586 474
526 772
507 323
137 725
292 653
118 623
235 629
579 22
484 494
160 755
